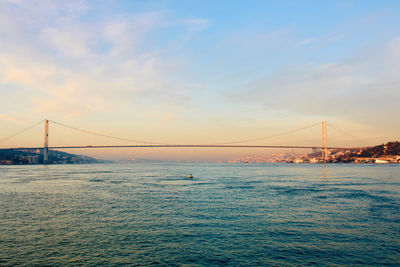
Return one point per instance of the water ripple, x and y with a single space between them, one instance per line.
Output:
229 214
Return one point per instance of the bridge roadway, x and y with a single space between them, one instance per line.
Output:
181 146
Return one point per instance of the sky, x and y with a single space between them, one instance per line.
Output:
200 72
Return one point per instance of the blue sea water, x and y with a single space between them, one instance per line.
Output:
228 214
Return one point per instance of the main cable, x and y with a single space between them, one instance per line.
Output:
346 133
267 137
104 135
21 131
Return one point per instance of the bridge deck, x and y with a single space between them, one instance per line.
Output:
181 146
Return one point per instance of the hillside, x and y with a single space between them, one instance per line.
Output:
389 152
28 156
388 149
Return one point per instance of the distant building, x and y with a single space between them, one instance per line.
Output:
32 159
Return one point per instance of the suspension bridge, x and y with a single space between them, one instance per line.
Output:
147 144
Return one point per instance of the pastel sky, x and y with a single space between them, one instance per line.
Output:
201 71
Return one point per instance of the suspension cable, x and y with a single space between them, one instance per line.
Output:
104 135
346 133
267 137
21 131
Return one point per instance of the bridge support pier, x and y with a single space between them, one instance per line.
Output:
46 142
324 145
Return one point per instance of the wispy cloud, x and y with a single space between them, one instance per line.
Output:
350 89
197 23
306 41
9 118
71 67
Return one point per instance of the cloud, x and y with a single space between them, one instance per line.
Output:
306 41
197 24
70 67
124 34
72 42
362 88
9 118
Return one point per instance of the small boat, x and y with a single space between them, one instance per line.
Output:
380 161
189 175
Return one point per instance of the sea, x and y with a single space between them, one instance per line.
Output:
233 214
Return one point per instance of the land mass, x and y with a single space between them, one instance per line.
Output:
30 156
385 153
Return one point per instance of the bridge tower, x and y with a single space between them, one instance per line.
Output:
324 145
46 141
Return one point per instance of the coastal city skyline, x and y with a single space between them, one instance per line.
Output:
178 72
